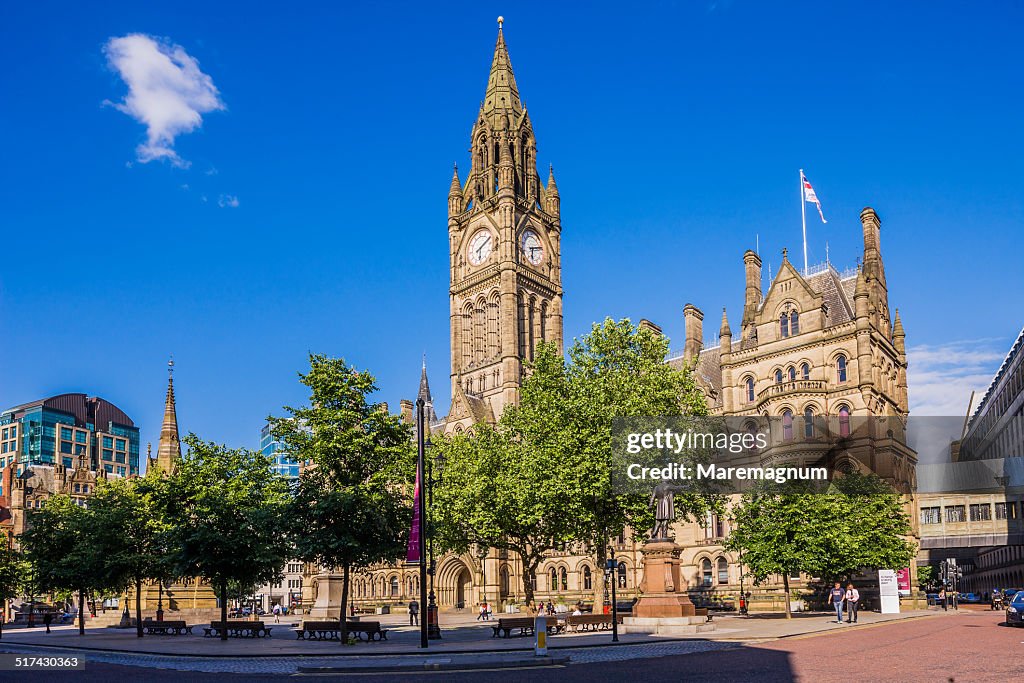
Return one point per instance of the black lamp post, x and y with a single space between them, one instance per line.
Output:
613 573
422 511
433 628
160 601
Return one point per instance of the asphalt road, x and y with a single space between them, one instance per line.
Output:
969 646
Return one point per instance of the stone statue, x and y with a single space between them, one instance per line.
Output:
664 502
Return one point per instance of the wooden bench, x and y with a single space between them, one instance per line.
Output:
329 630
525 626
166 628
588 622
237 629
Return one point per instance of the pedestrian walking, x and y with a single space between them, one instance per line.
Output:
48 619
551 607
483 612
414 613
277 614
852 601
837 594
942 599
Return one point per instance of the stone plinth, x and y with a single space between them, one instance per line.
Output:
327 603
663 589
667 626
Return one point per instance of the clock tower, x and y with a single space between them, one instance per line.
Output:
504 236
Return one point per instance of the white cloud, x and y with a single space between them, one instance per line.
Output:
227 201
941 377
167 92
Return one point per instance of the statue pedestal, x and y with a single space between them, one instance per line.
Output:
663 589
327 603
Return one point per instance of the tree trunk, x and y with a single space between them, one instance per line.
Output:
785 586
601 557
81 612
529 567
343 624
224 609
138 608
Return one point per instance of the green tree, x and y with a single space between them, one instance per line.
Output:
133 533
501 491
352 507
13 576
858 523
617 370
224 507
543 476
64 545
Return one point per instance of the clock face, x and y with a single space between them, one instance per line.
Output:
480 247
532 249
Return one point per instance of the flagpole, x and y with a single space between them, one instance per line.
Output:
803 217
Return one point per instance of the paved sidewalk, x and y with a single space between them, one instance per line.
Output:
465 644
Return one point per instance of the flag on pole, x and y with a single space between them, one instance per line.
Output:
809 195
412 553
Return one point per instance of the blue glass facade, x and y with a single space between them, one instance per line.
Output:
62 429
283 465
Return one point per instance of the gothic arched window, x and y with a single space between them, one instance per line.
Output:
750 390
723 570
787 425
706 575
588 581
565 579
783 329
792 374
554 579
794 323
805 371
841 369
394 586
778 376
808 422
844 421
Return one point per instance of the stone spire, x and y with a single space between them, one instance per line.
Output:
899 336
168 451
424 392
502 97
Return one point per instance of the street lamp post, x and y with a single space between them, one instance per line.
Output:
613 567
422 515
433 628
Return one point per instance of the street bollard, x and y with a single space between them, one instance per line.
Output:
540 630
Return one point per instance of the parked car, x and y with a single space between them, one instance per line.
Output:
970 597
1015 610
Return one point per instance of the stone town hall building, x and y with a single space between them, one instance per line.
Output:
816 345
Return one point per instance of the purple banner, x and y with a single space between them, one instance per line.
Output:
412 553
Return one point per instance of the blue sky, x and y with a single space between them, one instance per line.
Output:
305 209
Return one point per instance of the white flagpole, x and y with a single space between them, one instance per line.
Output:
803 217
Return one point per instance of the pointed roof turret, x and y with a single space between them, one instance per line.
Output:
456 187
724 330
552 188
168 451
897 327
502 97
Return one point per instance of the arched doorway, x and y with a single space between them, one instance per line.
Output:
463 588
454 584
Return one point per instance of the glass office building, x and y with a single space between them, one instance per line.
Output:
62 429
282 466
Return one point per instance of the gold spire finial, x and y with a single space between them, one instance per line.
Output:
501 20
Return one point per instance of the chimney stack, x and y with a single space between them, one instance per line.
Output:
694 331
752 299
405 410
